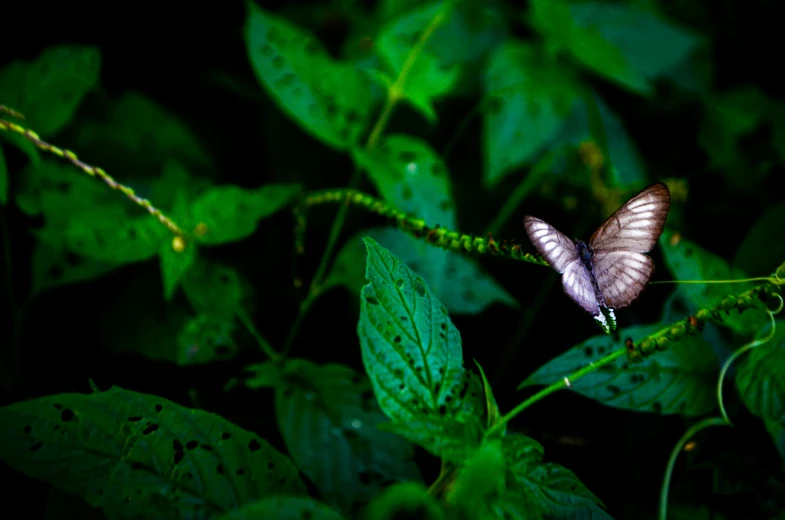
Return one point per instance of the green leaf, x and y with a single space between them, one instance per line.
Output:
49 89
137 135
491 408
3 179
265 375
759 378
284 508
528 101
328 419
538 490
411 349
480 482
108 234
206 338
405 500
133 453
688 261
427 77
458 281
453 439
178 255
758 254
331 100
614 40
679 380
230 213
54 265
214 289
411 176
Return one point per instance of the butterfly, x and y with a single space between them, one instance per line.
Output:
611 270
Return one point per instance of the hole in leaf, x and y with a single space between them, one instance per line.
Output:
589 352
419 288
136 465
28 429
225 436
254 445
191 445
270 465
371 300
177 445
399 283
135 418
58 406
37 446
206 447
615 390
158 408
240 471
220 469
67 415
397 339
178 456
150 429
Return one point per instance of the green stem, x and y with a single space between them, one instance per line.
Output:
564 383
263 343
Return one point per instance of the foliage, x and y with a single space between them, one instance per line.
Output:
363 364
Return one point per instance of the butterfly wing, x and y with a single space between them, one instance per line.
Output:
562 254
636 226
553 245
621 276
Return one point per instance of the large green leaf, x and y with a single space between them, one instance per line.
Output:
528 100
410 175
615 39
679 380
760 378
284 508
539 490
331 100
688 261
428 77
230 213
109 235
328 418
215 289
453 439
179 254
54 264
133 453
49 89
458 281
205 338
411 349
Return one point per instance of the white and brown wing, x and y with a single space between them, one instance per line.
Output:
577 285
621 276
636 226
553 245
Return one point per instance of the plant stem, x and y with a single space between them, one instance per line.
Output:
263 343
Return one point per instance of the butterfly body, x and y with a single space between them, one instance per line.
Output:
611 270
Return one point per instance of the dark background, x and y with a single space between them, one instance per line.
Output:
176 53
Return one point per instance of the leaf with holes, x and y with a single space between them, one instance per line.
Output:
49 89
54 265
541 490
458 281
109 235
679 380
427 77
328 419
411 176
410 348
453 438
614 40
400 500
331 100
759 378
215 289
688 261
527 102
132 453
176 263
284 508
205 338
230 213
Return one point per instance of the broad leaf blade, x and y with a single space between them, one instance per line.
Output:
230 213
328 419
457 280
331 100
411 349
215 289
132 453
527 103
679 380
453 439
760 380
688 261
